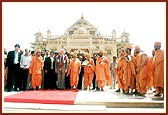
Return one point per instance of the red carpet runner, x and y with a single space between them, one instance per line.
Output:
44 97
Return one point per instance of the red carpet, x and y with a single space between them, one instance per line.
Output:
44 97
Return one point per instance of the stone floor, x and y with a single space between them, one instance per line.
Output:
94 101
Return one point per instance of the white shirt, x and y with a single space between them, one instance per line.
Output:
129 57
52 59
25 61
16 58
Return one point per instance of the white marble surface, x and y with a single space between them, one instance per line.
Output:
108 96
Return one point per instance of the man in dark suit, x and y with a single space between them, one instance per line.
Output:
94 78
80 80
67 79
49 70
13 68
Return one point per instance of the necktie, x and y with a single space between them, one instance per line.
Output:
61 59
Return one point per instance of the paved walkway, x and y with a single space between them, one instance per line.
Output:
94 101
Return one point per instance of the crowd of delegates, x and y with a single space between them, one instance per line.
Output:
132 74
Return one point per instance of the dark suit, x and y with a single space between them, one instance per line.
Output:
80 77
67 78
94 78
50 76
13 76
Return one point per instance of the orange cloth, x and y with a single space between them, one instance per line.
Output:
129 75
35 69
141 74
149 77
5 71
102 71
121 65
73 71
108 74
89 73
5 76
158 65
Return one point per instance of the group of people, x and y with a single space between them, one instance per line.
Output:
134 74
137 73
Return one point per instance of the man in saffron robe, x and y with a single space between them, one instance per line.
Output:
35 70
89 69
141 70
149 78
102 71
158 65
129 74
121 65
74 70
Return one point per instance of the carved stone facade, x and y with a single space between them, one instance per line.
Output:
83 37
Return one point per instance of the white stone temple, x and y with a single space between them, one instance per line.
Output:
82 37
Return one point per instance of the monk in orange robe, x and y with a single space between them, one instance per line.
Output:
135 53
74 70
149 77
141 70
158 65
129 74
136 76
89 69
35 70
121 65
102 71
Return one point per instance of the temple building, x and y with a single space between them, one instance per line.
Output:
82 37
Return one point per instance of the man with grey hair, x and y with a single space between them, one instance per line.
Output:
61 66
24 65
